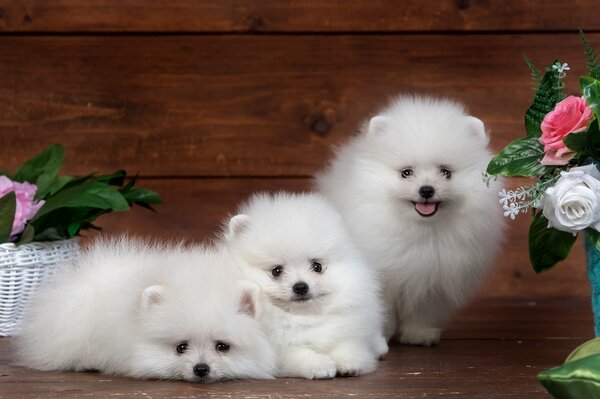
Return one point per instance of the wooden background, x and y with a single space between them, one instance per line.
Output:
212 100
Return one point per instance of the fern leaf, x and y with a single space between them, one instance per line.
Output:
548 93
536 75
592 58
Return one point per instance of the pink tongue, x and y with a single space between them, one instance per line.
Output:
425 208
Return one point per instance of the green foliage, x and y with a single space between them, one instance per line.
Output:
48 162
547 246
71 203
548 94
592 58
594 237
590 88
536 75
520 158
586 144
8 206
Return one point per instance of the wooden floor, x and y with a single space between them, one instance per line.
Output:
493 349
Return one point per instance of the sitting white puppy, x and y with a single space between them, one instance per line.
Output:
410 189
125 307
323 312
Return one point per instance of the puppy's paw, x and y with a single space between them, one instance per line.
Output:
322 373
318 367
420 335
380 347
353 361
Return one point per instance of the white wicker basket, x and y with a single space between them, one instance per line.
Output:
22 269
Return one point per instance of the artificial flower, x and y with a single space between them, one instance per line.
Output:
570 115
26 207
573 203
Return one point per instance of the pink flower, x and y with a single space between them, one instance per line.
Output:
571 115
26 206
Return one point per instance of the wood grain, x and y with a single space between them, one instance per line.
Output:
461 368
295 16
523 317
195 208
247 105
501 363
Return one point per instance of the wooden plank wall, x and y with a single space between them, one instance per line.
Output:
212 100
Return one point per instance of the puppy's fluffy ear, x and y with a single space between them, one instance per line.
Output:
151 296
249 293
236 225
378 124
477 128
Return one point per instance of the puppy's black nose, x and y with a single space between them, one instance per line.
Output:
426 192
201 369
300 288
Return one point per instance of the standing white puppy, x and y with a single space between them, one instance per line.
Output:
323 313
410 188
147 311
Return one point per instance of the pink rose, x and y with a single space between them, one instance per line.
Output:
571 115
26 206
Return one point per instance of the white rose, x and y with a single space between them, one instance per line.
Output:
573 203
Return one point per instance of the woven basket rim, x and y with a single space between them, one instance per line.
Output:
11 246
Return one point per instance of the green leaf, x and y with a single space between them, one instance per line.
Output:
547 246
73 228
8 206
592 58
49 185
114 179
48 162
536 75
520 158
136 195
27 235
130 183
92 195
67 221
140 196
590 88
594 237
548 94
587 143
51 234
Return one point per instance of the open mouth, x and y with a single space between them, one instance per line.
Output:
301 298
426 209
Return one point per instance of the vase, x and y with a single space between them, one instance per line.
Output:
593 272
22 269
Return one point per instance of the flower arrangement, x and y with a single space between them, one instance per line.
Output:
36 204
561 153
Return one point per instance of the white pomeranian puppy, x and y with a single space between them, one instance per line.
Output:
410 188
322 311
147 311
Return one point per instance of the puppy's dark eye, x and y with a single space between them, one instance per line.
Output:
276 271
447 173
408 172
316 267
222 346
182 347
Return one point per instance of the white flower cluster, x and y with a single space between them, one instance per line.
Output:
515 201
570 202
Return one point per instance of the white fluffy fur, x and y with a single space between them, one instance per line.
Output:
430 265
124 306
338 329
